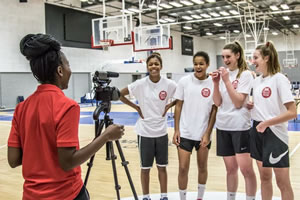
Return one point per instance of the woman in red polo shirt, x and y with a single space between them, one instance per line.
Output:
44 134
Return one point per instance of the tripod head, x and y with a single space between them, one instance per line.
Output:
104 106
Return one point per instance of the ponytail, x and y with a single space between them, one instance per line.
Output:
269 50
236 47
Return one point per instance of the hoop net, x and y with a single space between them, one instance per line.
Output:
105 44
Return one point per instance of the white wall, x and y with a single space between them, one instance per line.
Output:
19 19
174 62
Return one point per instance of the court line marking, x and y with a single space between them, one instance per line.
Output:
3 146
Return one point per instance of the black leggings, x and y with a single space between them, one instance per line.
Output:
83 194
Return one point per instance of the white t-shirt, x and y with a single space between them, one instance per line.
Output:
197 103
152 99
229 118
269 96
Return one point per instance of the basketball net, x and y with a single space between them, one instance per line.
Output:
104 44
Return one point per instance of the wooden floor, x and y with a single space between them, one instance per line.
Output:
101 182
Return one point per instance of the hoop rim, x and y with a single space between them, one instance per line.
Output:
106 43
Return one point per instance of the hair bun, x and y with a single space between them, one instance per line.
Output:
35 45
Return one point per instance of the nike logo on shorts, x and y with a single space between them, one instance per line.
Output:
243 148
273 160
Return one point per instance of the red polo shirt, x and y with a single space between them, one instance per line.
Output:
44 121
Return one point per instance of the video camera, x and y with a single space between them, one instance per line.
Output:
103 92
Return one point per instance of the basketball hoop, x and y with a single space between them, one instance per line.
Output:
104 44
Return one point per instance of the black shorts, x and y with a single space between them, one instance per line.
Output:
230 143
188 145
268 148
151 148
83 194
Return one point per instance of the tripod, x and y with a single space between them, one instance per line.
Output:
110 155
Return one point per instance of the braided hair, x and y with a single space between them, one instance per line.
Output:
44 55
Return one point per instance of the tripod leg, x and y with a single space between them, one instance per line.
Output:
98 130
113 158
124 164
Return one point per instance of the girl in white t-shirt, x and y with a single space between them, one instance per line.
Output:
273 106
232 86
153 93
195 115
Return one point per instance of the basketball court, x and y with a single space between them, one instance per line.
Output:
125 40
101 180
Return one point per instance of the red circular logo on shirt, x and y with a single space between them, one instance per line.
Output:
163 95
266 92
235 84
205 92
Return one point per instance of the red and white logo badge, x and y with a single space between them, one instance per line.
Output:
205 92
266 92
163 95
235 84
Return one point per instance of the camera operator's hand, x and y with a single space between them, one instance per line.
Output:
139 111
114 132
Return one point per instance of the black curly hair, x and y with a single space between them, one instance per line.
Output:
43 52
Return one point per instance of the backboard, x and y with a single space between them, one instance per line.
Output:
155 37
116 29
290 63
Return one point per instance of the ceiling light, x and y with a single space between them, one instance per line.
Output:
222 37
236 31
83 0
208 33
187 27
210 1
197 1
286 17
152 6
164 5
224 13
234 12
127 11
296 26
266 29
162 21
190 12
187 17
218 24
176 4
134 10
274 8
187 3
251 21
284 6
247 35
205 15
275 33
214 14
170 19
196 16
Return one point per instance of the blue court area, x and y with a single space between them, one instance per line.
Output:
128 118
125 118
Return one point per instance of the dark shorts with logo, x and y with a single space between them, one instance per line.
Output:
151 148
188 145
268 148
230 143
